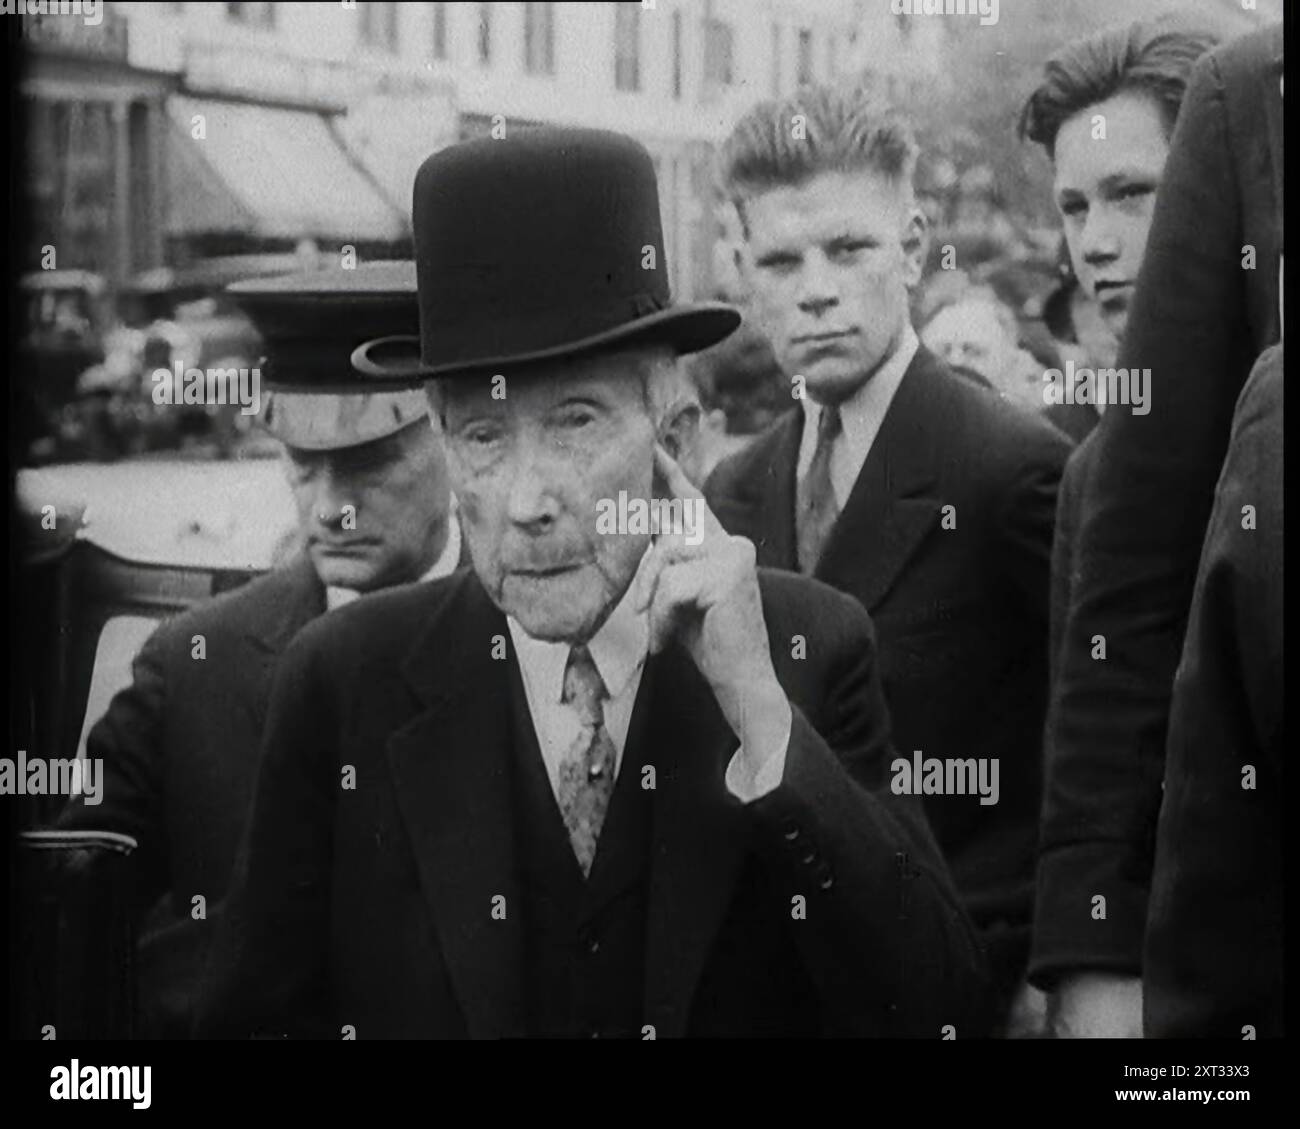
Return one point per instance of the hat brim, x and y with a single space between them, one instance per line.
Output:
315 421
394 362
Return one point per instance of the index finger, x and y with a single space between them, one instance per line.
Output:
674 476
680 486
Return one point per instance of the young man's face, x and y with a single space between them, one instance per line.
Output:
828 263
1105 189
529 470
373 515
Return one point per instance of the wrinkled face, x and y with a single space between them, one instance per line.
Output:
969 334
828 264
529 470
1106 191
374 515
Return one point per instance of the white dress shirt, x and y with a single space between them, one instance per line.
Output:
619 650
445 565
861 415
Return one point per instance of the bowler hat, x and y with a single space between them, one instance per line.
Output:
309 324
540 245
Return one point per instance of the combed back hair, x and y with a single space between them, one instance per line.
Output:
818 129
1154 58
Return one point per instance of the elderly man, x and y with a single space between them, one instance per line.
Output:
608 782
180 745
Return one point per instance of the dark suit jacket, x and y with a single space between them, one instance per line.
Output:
1065 545
1214 951
1198 322
180 748
961 613
371 906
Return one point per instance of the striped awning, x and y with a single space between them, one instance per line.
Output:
271 172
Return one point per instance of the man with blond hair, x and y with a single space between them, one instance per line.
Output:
900 482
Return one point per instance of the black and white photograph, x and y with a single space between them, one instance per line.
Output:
714 520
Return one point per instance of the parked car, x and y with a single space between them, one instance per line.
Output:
65 315
102 408
115 549
184 317
98 571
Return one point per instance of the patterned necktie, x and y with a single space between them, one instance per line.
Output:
586 779
817 507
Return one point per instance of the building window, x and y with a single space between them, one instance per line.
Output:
379 26
627 47
776 60
718 52
439 31
254 15
539 38
71 166
485 34
677 54
805 57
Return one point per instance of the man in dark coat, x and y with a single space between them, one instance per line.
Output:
1213 959
1205 306
179 746
603 784
941 499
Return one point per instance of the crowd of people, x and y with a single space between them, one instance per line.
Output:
576 783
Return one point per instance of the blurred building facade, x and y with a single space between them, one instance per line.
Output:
177 130
252 126
92 144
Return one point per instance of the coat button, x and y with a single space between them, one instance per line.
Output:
593 946
790 830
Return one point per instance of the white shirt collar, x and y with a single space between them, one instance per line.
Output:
445 565
862 415
618 649
449 558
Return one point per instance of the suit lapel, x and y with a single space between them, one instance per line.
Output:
778 498
759 498
451 772
698 839
290 600
451 769
891 507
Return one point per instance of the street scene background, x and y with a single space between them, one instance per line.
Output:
316 116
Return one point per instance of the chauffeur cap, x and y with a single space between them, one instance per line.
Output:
310 323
